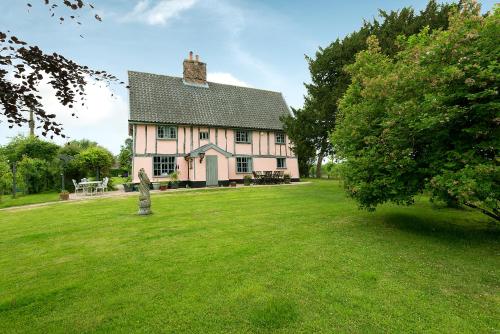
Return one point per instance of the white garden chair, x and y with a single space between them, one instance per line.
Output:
77 187
103 186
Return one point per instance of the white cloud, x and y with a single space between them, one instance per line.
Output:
225 78
160 12
103 118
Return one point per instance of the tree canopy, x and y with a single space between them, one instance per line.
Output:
311 125
125 155
427 120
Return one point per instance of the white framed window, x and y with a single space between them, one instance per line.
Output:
163 165
280 138
242 136
204 135
243 165
281 163
166 132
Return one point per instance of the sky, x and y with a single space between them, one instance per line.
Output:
255 43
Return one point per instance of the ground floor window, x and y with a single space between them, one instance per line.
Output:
243 165
280 162
163 165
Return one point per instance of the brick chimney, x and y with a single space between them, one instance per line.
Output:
195 72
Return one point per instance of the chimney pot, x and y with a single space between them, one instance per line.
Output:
190 55
197 58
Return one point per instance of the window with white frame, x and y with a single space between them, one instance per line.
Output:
242 136
243 164
204 135
280 137
167 132
280 162
163 165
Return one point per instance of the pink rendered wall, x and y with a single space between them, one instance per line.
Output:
272 145
259 144
266 164
292 165
221 139
140 139
232 170
142 162
151 138
183 169
147 143
230 141
243 149
180 139
166 146
188 139
255 141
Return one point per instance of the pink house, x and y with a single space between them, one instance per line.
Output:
210 133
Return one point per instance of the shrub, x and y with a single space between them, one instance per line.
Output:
37 175
247 180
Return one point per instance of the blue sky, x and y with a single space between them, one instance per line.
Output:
247 42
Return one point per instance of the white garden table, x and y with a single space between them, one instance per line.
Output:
89 186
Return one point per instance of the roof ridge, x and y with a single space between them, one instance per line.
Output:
211 82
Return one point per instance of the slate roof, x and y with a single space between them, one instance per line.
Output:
165 99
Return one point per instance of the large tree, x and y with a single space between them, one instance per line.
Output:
329 81
428 120
96 159
24 67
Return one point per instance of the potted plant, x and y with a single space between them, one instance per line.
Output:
64 195
174 180
163 185
247 180
286 178
156 185
232 184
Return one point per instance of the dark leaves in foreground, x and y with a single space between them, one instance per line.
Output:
22 69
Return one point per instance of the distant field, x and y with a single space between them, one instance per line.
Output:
255 259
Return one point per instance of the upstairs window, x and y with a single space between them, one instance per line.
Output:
243 164
203 135
280 138
280 163
163 165
242 136
167 132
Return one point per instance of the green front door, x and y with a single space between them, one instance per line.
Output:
212 175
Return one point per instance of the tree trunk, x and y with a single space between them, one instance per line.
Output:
32 124
486 212
321 155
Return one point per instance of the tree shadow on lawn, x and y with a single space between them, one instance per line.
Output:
465 229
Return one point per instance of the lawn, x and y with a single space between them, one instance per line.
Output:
7 201
276 259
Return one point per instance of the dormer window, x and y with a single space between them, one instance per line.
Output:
242 137
280 138
167 132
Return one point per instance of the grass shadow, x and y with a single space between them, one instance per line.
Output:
442 228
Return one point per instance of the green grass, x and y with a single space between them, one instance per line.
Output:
256 259
7 201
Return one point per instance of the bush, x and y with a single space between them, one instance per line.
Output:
37 175
247 180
